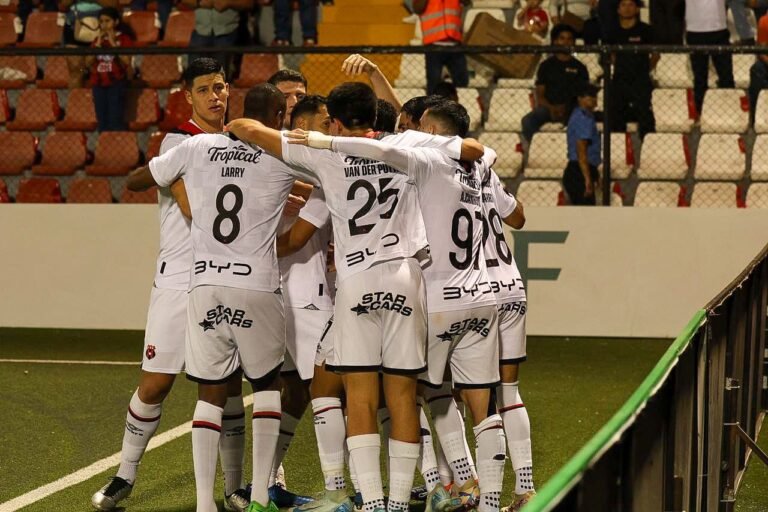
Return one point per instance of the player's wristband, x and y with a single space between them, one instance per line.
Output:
319 140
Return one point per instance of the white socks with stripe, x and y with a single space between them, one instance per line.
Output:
141 423
288 426
517 427
330 431
491 454
266 429
232 444
364 452
402 463
427 462
206 431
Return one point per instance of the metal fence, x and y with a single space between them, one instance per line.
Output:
673 140
682 440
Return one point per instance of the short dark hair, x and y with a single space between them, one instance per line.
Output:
386 117
414 107
307 105
354 104
559 29
200 67
446 89
287 75
263 102
452 115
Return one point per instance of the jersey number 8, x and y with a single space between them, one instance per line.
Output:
225 214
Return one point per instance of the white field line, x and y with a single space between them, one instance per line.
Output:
66 361
94 469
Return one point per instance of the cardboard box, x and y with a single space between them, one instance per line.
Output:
488 31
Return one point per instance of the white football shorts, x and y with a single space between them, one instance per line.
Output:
303 329
512 332
165 332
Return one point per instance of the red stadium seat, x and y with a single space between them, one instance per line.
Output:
9 6
90 190
179 29
236 103
42 31
63 154
8 34
5 109
146 197
36 110
177 111
153 146
117 154
4 197
39 190
80 114
256 68
142 109
143 25
19 152
20 72
160 71
55 73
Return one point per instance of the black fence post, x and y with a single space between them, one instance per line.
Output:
605 62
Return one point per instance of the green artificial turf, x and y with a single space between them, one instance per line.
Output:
59 418
753 492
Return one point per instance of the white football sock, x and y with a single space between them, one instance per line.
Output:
232 444
350 464
330 431
491 454
206 431
141 423
443 466
467 449
364 453
451 434
517 428
266 429
427 462
287 430
402 463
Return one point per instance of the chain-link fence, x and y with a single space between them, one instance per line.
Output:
686 129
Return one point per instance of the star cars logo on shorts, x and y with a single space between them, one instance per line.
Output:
383 300
150 352
221 313
513 307
478 325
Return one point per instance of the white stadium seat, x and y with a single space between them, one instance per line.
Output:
592 62
671 110
547 156
412 71
507 108
539 193
657 194
663 156
714 195
674 71
720 157
723 112
757 195
470 100
741 64
622 155
761 112
510 160
759 170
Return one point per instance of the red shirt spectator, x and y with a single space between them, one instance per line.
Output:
108 69
533 18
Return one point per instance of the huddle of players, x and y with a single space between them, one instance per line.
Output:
385 195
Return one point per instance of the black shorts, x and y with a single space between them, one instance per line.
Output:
573 183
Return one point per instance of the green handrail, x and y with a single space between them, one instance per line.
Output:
564 479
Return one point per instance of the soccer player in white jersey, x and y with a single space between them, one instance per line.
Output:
207 91
380 318
235 316
501 208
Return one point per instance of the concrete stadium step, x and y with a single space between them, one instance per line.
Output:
364 14
354 34
323 72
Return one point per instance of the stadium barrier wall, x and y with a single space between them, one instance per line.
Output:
627 272
682 440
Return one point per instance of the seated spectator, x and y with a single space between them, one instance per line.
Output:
533 18
80 30
109 74
555 81
758 73
386 117
447 90
632 72
581 177
283 17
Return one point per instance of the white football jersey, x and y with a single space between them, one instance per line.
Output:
502 269
374 208
175 255
237 193
304 272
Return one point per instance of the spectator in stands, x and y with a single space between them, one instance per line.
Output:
740 11
758 73
109 74
216 22
164 8
447 90
632 72
283 17
533 18
386 117
581 177
441 26
80 30
555 81
668 21
706 23
293 85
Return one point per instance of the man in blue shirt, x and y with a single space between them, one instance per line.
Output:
581 177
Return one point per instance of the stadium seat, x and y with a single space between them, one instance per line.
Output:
470 99
412 71
5 109
510 155
236 103
55 73
741 64
4 197
659 194
146 197
592 62
80 114
256 69
761 112
664 156
672 110
39 190
507 108
757 195
720 157
63 154
142 109
759 170
547 156
145 24
19 152
8 34
42 30
9 6
178 29
724 111
153 145
714 195
177 111
407 93
160 71
674 71
36 110
622 155
117 153
89 190
540 193
17 71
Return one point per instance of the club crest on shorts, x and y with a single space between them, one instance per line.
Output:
223 314
150 352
